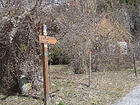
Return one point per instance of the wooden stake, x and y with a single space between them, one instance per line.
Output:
134 61
90 72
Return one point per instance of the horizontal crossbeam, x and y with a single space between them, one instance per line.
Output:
47 39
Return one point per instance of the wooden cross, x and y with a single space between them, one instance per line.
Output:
45 40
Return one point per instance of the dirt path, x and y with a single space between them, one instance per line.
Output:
132 98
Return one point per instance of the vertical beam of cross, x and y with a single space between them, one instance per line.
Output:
45 68
45 40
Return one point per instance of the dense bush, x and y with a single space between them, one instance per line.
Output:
130 2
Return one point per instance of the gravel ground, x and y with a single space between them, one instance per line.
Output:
132 98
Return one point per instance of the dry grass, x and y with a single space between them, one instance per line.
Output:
106 88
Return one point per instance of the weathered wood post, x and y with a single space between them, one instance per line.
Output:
90 72
134 62
45 40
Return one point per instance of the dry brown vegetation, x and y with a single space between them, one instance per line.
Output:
80 26
106 88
